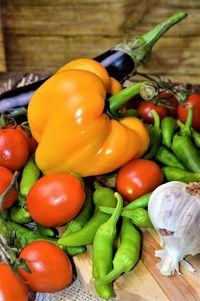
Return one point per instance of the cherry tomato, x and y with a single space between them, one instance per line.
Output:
11 287
145 107
32 143
138 177
6 178
50 267
55 199
194 102
172 102
14 150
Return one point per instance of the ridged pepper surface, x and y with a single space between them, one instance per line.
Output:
74 134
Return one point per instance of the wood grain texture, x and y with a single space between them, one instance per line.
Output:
144 282
42 35
2 52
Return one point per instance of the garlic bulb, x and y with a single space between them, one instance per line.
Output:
174 210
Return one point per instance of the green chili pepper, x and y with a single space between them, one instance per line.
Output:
30 175
78 222
185 129
196 138
22 235
102 250
183 147
186 152
138 216
20 215
102 196
4 214
166 157
177 174
155 136
3 227
127 254
133 112
168 128
45 230
141 202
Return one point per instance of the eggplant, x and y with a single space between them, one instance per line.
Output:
120 61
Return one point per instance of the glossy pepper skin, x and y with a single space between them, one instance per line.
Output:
67 119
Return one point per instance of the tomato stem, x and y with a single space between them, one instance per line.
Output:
8 254
8 189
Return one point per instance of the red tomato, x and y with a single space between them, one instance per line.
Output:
11 287
171 101
14 149
145 107
138 177
6 178
194 102
55 199
50 267
32 143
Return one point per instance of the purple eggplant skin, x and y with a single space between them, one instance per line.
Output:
120 61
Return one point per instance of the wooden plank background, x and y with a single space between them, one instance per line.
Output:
42 35
2 52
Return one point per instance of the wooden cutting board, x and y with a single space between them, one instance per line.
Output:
144 282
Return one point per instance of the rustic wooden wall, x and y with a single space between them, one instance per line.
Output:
2 52
42 35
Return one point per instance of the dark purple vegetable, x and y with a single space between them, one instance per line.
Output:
124 58
120 61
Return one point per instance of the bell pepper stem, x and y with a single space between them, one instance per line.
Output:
8 189
122 97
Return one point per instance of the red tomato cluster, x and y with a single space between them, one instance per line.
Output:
173 108
145 107
52 201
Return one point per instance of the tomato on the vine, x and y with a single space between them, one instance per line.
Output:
50 267
14 150
145 107
138 177
192 101
55 199
11 287
6 177
171 102
32 143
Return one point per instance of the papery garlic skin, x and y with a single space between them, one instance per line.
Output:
172 208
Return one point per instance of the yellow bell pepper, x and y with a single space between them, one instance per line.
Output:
74 134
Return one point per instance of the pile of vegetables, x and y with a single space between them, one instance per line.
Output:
90 163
